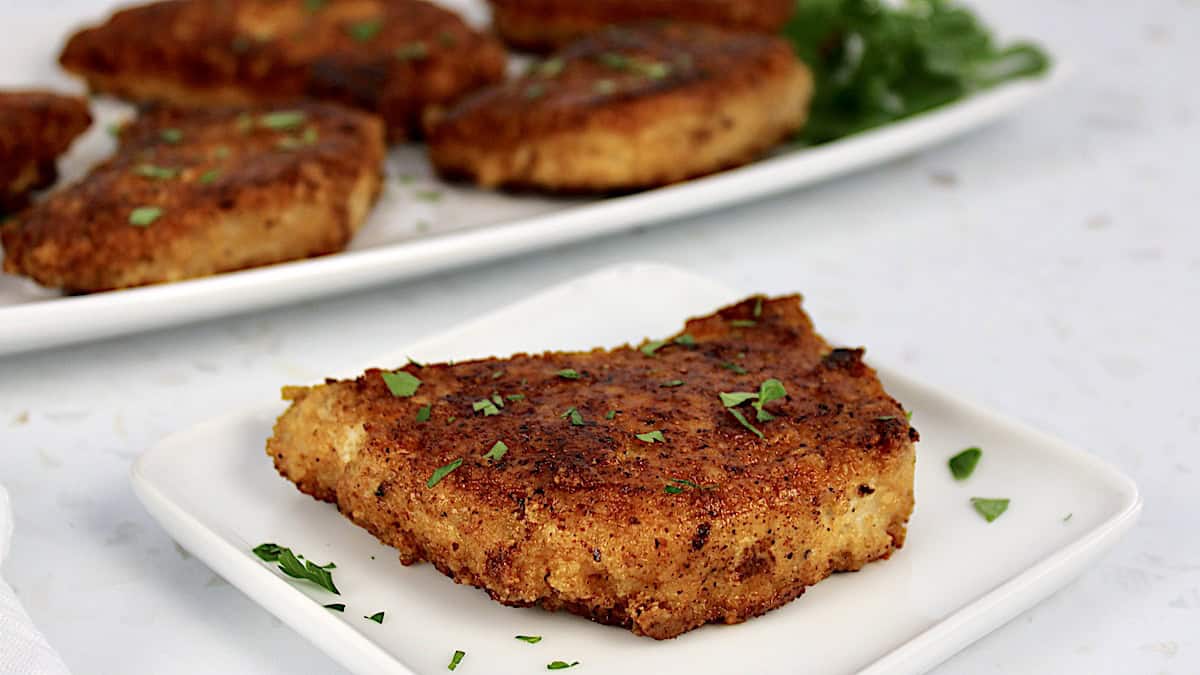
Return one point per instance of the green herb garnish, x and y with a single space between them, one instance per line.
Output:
743 323
535 90
655 436
209 176
377 617
650 347
290 565
568 374
531 639
428 195
573 415
156 172
742 418
497 374
990 509
497 452
365 31
402 384
413 51
614 60
963 464
424 412
1068 517
604 87
730 365
268 552
758 307
144 216
769 390
309 137
456 659
680 484
443 471
736 398
611 414
561 665
548 68
337 607
488 408
171 136
515 397
685 340
282 119
672 383
875 61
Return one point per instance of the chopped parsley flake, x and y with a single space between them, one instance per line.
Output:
144 216
337 607
209 176
221 152
742 418
497 374
268 552
282 119
1067 517
990 509
497 400
171 136
680 484
758 307
365 31
736 398
548 68
685 340
531 639
488 408
655 436
743 323
604 87
402 384
654 345
963 464
614 60
157 172
561 665
769 390
456 659
515 397
730 365
413 51
377 617
497 452
290 565
611 414
535 90
568 374
573 414
114 129
428 195
309 137
443 471
672 383
423 413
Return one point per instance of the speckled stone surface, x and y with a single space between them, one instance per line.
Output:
1048 267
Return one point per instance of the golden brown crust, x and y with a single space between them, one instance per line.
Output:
390 57
35 128
627 108
236 187
543 25
578 517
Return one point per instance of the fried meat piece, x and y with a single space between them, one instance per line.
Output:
35 128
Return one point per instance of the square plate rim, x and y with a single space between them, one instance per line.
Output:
40 324
922 651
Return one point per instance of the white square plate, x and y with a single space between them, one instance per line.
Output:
958 577
407 236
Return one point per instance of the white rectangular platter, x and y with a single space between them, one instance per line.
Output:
409 234
216 492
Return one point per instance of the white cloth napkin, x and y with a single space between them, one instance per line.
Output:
23 650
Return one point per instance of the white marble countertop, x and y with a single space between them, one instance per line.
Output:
1048 267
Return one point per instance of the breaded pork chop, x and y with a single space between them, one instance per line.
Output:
391 57
193 193
628 108
543 25
35 128
625 489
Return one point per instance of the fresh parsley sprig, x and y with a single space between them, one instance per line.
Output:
291 565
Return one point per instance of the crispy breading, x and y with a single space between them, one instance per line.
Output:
390 57
707 523
627 108
543 25
193 193
35 128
